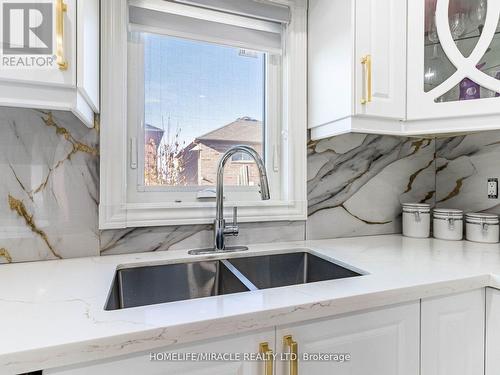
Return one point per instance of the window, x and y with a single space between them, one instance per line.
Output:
199 94
243 158
193 82
200 99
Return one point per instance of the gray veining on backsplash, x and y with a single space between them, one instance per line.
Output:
134 240
463 166
49 163
356 182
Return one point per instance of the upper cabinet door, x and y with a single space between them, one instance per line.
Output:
88 51
380 58
39 42
50 56
454 59
329 66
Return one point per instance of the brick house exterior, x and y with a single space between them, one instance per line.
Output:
201 156
152 139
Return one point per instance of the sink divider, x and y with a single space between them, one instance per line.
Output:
227 263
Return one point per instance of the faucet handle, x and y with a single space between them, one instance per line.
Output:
235 216
233 230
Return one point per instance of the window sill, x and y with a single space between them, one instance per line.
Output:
158 214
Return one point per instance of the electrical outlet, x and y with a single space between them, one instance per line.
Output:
493 188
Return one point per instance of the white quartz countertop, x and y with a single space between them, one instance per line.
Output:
52 313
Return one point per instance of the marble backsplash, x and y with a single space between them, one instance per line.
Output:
463 166
356 183
49 163
355 186
50 188
133 240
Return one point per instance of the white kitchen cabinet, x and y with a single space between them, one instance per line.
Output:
492 360
356 65
450 43
434 336
88 47
453 334
380 342
435 67
71 81
142 364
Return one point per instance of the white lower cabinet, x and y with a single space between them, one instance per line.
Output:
380 342
453 329
492 332
143 365
434 336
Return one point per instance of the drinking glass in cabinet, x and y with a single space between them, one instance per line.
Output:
466 24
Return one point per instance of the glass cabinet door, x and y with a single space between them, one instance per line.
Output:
455 68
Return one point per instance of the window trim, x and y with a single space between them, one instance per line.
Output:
115 211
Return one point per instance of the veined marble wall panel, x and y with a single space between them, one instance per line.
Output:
357 182
49 186
463 166
135 240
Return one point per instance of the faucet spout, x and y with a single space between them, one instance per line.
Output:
220 229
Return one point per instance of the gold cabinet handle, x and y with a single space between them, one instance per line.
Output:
294 352
61 8
268 355
366 61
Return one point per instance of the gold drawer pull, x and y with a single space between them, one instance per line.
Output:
366 61
294 351
268 362
61 8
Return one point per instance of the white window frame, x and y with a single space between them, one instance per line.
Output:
118 210
138 192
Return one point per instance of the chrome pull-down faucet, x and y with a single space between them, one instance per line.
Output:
221 230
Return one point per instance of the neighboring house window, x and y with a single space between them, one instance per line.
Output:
243 158
200 80
200 158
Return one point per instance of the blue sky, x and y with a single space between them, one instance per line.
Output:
200 86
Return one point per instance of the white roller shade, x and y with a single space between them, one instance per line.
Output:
265 10
193 22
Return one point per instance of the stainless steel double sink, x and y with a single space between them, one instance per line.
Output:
140 286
